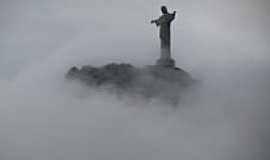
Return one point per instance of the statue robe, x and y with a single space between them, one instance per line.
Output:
164 22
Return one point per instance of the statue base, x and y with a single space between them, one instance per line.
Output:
168 63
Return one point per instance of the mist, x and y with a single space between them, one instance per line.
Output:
223 44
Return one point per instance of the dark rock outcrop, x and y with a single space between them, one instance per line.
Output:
165 83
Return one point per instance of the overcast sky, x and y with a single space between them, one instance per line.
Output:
31 29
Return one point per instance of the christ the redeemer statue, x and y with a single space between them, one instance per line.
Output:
164 23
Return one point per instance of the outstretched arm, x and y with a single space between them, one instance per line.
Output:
173 14
155 21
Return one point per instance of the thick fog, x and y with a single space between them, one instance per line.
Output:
222 43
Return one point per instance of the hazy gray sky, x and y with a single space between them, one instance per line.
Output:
32 30
223 43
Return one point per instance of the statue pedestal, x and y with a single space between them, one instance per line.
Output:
168 63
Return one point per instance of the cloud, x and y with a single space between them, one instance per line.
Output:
45 117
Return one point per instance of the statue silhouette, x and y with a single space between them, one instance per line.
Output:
164 23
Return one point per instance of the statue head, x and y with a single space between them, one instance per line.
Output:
164 10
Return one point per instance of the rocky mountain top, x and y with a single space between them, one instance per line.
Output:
165 83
